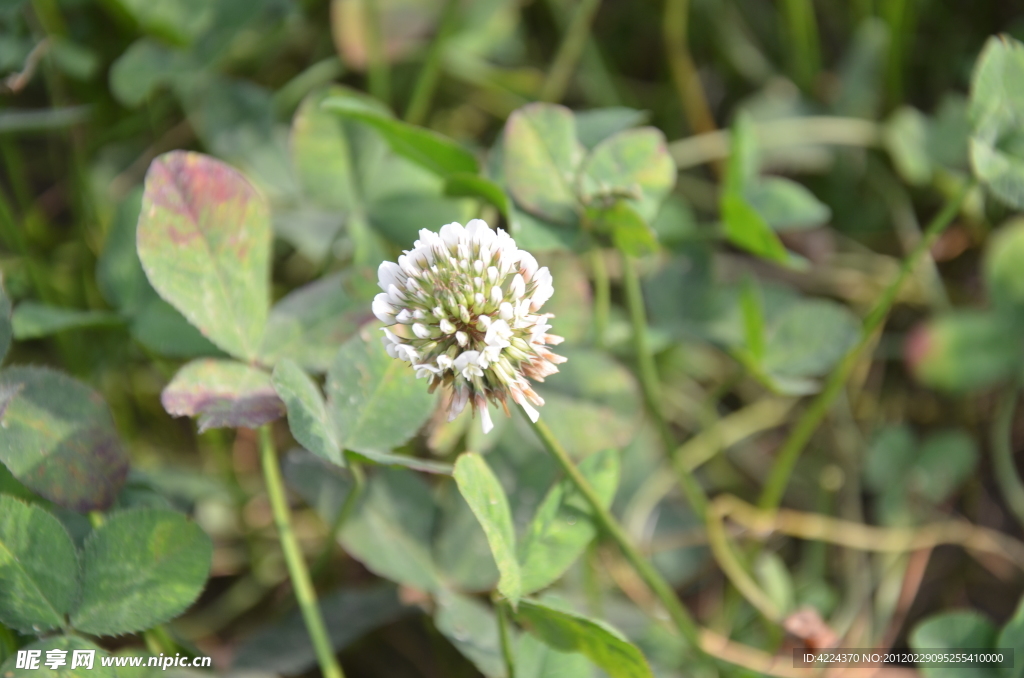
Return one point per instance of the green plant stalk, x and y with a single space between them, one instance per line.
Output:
729 561
8 643
1002 455
570 51
426 83
684 73
651 386
863 9
802 34
288 97
606 521
14 235
344 511
379 73
783 133
900 15
602 295
599 87
159 637
504 633
789 453
304 592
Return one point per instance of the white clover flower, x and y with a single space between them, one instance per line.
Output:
462 309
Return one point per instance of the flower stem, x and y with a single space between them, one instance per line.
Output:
379 73
570 51
504 633
607 522
812 417
801 31
8 643
1002 455
304 592
344 511
651 386
684 72
426 83
602 295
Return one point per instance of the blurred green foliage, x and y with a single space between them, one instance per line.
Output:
194 198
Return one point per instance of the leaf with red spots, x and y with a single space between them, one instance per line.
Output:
58 439
204 241
222 394
542 158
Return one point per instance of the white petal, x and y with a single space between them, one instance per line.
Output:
485 420
518 286
395 295
466 364
459 400
421 330
389 273
530 410
407 353
384 311
451 233
446 326
528 264
498 334
408 265
480 232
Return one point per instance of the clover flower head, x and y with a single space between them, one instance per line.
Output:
462 307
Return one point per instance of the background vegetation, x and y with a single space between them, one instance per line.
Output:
771 341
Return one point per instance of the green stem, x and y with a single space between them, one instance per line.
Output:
598 86
504 633
287 98
423 92
812 417
570 51
13 234
802 34
824 130
651 386
602 295
304 592
8 643
1002 455
607 522
152 643
901 17
379 72
158 637
684 72
344 511
729 561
